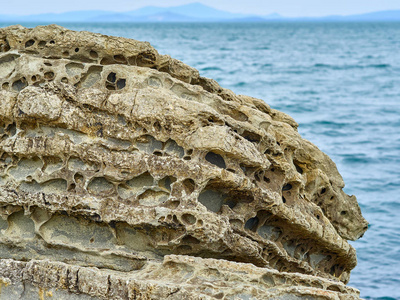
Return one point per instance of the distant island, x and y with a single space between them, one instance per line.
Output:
193 12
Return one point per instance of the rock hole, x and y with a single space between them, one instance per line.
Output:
283 199
333 288
4 46
287 187
251 136
76 49
93 54
230 203
19 85
189 219
269 280
187 158
107 61
132 60
323 191
148 144
74 69
172 148
269 232
156 124
175 219
120 59
343 212
33 78
112 77
298 169
167 182
64 80
79 179
65 53
157 153
212 200
153 198
190 240
189 186
110 87
318 217
137 183
173 204
267 180
100 185
216 160
121 83
29 43
252 224
92 76
52 42
11 129
47 64
49 75
72 187
5 86
154 81
54 186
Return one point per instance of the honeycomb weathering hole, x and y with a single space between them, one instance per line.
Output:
29 43
216 160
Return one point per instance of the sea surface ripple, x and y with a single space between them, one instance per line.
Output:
340 82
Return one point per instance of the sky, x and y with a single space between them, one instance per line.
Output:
288 8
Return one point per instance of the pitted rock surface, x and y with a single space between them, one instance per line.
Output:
126 175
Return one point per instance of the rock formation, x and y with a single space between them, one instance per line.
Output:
126 175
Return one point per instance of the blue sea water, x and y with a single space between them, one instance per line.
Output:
340 82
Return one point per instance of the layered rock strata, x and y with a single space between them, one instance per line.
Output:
126 175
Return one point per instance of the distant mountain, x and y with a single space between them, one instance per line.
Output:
201 11
72 16
386 15
193 12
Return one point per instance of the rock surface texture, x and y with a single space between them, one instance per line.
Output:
126 175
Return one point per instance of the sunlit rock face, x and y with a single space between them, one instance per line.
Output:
126 175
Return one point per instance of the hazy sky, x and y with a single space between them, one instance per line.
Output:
261 7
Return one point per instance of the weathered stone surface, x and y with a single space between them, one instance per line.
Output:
126 175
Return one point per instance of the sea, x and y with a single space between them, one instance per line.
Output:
339 81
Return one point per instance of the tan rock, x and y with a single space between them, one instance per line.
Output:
126 175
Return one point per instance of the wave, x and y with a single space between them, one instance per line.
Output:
240 84
349 67
211 69
356 159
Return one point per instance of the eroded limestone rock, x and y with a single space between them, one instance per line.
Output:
126 175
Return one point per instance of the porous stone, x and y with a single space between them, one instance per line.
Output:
126 175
